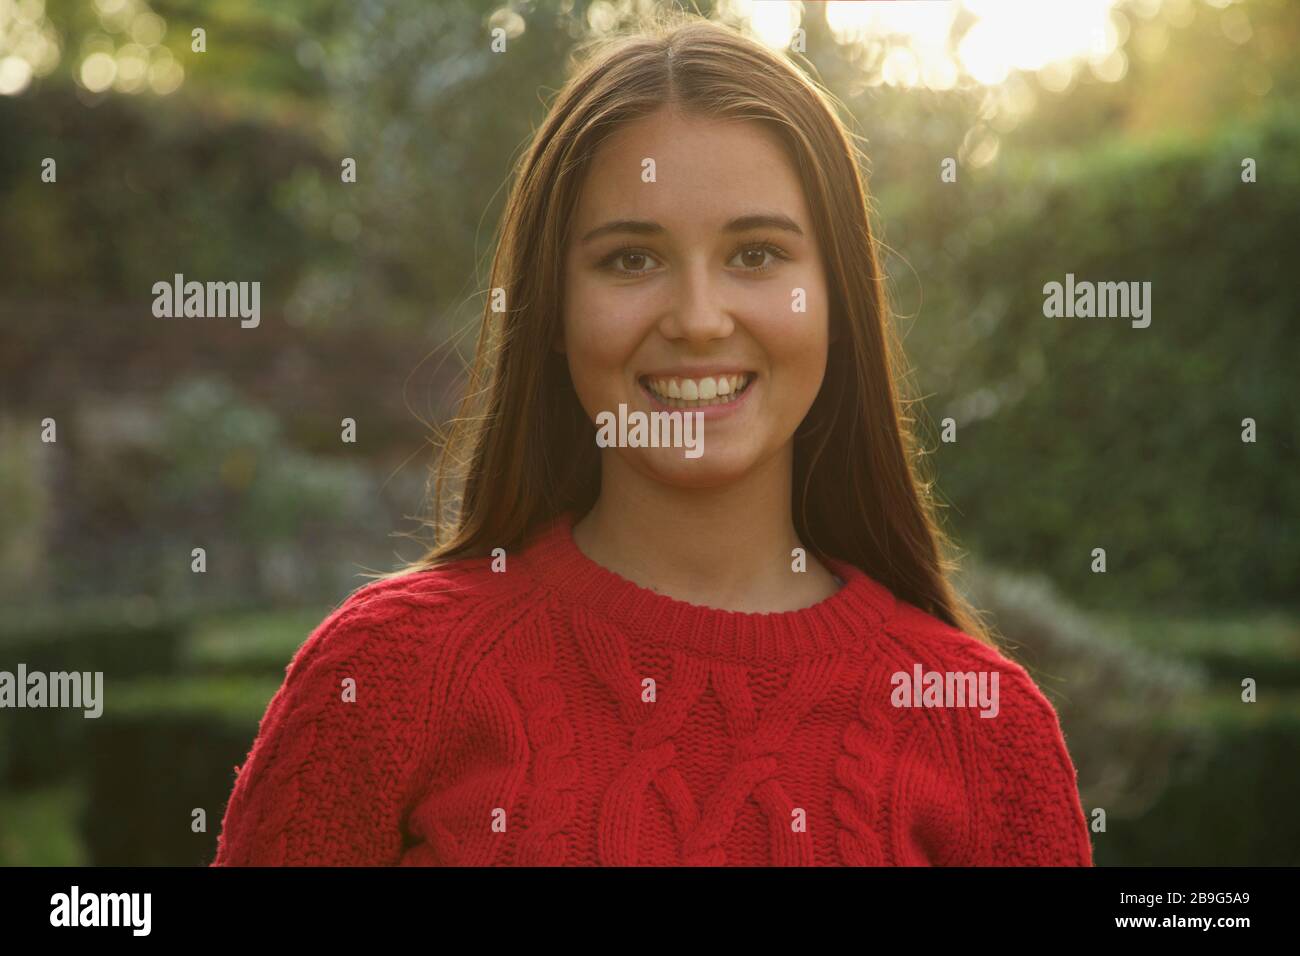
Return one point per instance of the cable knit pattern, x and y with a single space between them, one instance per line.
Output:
556 714
866 744
545 842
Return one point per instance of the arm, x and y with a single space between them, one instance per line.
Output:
328 780
1029 810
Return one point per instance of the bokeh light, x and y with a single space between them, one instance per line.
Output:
125 57
936 46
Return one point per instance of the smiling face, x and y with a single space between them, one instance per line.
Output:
680 294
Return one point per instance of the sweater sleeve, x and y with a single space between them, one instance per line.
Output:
340 749
1029 809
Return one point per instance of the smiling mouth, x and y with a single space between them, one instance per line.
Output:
678 392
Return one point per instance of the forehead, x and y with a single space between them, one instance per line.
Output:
705 169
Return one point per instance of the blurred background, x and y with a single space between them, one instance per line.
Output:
1104 138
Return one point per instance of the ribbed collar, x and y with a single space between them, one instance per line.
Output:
845 620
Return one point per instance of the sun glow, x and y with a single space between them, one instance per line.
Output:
935 44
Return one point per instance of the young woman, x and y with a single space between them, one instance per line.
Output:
738 651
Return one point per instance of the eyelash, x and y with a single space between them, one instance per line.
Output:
765 245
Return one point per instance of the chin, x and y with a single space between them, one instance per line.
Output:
716 468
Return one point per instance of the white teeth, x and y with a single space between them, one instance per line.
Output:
692 393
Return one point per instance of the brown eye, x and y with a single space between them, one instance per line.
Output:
752 258
616 259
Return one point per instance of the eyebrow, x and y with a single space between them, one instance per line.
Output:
644 227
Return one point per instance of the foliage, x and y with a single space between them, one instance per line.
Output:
1077 433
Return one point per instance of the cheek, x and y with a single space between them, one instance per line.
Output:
600 336
795 342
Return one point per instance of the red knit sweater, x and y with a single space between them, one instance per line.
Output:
555 713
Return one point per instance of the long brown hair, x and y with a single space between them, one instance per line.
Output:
521 450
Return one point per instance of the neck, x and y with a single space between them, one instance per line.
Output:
726 547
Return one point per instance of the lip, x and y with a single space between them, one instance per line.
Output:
702 371
708 411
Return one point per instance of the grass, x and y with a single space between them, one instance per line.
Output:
39 828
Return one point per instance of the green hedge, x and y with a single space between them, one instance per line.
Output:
168 747
124 642
182 701
1078 433
1230 804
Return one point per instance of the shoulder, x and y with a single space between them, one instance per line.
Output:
1011 727
410 619
367 702
400 650
940 647
1006 754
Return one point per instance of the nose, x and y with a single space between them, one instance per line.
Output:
698 312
